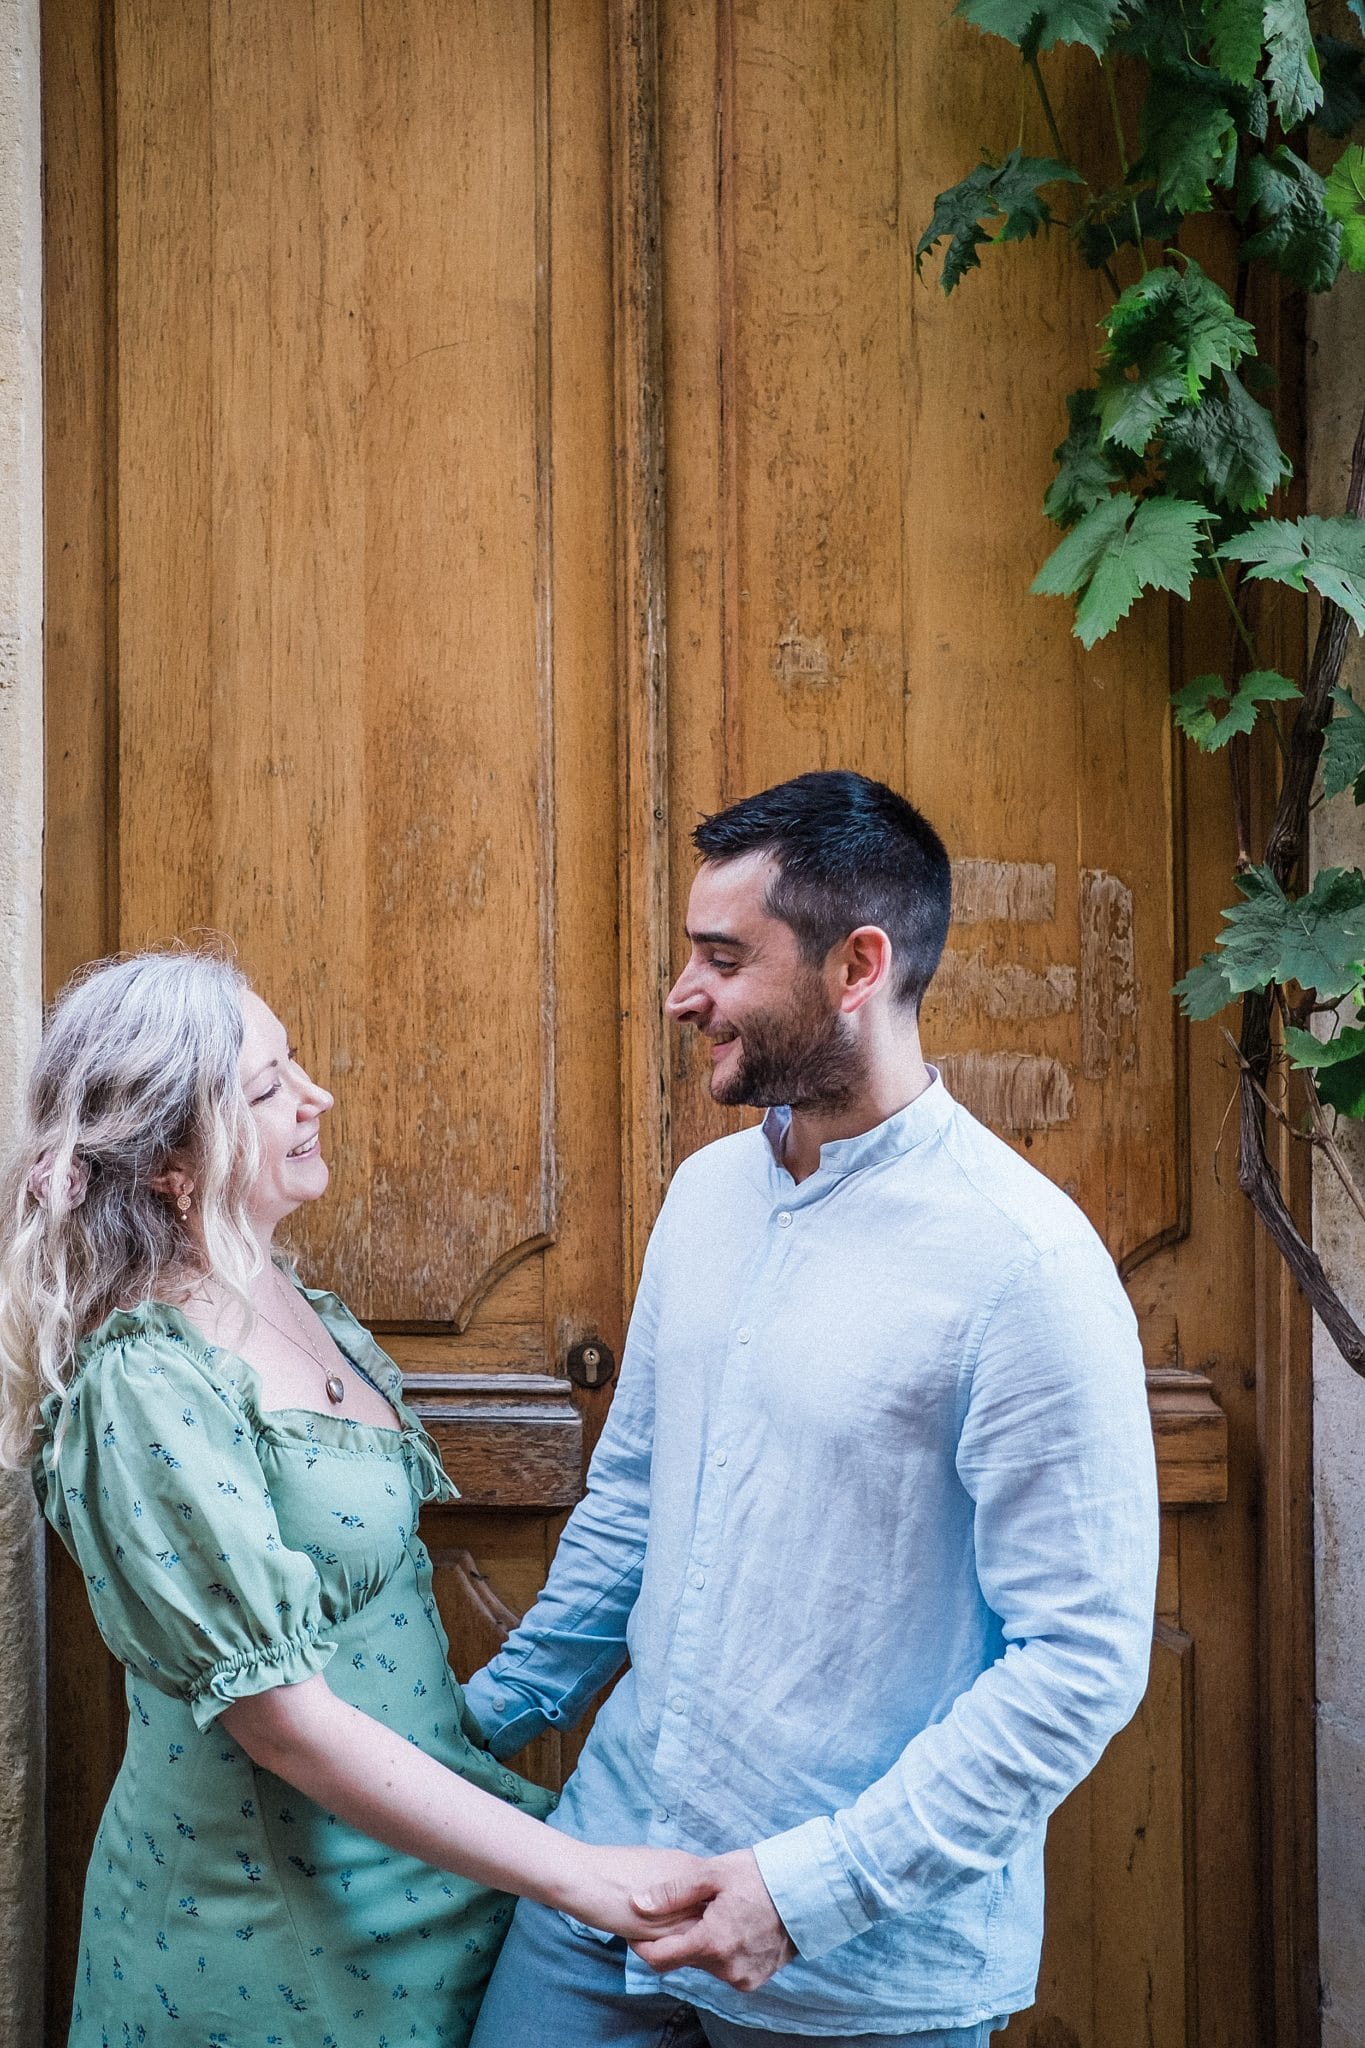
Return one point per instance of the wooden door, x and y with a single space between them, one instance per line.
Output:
409 369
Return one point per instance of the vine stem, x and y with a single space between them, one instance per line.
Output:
1063 157
1244 631
1285 845
1120 138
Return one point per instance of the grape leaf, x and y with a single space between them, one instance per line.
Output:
1296 236
1107 223
1133 410
1343 86
1184 311
1317 940
1194 705
1344 198
1343 749
1158 31
1115 553
1225 446
1009 192
1328 553
1293 72
1034 25
1086 468
1236 36
1204 991
1338 1065
1189 135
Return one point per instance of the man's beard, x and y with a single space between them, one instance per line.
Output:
803 1056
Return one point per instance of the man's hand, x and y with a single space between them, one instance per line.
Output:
738 1938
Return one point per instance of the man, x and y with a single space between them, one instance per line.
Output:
873 1516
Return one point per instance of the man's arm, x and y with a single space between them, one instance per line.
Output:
573 1640
1056 1452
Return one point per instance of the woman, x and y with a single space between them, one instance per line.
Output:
307 1843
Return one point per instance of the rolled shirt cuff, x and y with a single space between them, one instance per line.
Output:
507 1720
811 1889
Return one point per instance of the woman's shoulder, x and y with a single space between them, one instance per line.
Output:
140 1351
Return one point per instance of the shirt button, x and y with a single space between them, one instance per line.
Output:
678 1703
785 1219
498 1703
722 1457
743 1336
661 1813
698 1579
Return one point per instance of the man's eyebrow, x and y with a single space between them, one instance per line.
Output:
719 939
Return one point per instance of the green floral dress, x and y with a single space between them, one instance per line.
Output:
226 1551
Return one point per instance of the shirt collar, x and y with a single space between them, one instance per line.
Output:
900 1133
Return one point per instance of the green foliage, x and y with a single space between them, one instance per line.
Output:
1087 468
1195 715
1343 86
1115 553
1343 749
1189 135
1171 467
1296 235
1344 198
1317 940
1293 73
1008 192
1034 25
1225 450
1181 319
1328 553
1337 1065
1236 37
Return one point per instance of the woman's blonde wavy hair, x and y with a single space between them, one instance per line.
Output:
139 1066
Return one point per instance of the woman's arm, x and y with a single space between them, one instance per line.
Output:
353 1766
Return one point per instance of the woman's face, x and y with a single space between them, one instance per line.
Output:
288 1109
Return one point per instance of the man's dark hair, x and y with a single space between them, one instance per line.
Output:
849 851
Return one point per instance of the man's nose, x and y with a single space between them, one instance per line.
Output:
685 997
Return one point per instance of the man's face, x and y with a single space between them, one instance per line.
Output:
775 1033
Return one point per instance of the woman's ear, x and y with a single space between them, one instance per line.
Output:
177 1184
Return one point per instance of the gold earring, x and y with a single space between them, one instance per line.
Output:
182 1202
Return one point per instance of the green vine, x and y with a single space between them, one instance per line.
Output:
1171 472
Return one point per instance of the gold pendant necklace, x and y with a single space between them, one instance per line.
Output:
331 1379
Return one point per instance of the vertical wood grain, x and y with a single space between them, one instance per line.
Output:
643 655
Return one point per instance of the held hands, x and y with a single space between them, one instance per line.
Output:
720 1919
612 1877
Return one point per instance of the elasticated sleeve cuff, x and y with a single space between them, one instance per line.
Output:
253 1671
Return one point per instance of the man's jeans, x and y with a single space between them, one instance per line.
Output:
554 1988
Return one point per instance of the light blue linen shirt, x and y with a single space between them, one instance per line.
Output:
874 1517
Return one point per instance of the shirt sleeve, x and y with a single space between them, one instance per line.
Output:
573 1640
1056 1453
158 1493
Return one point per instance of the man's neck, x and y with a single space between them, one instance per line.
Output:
884 1094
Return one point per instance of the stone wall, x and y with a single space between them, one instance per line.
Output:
21 787
1336 395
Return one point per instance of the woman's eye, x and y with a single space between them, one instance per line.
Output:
273 1090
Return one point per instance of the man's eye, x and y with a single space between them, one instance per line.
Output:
724 966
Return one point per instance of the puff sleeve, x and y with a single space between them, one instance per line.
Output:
152 1480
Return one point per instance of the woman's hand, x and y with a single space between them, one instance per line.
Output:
604 1879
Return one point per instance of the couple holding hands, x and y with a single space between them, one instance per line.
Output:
871 1527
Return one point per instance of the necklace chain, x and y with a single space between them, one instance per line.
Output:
332 1381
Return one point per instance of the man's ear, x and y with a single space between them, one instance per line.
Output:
862 966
